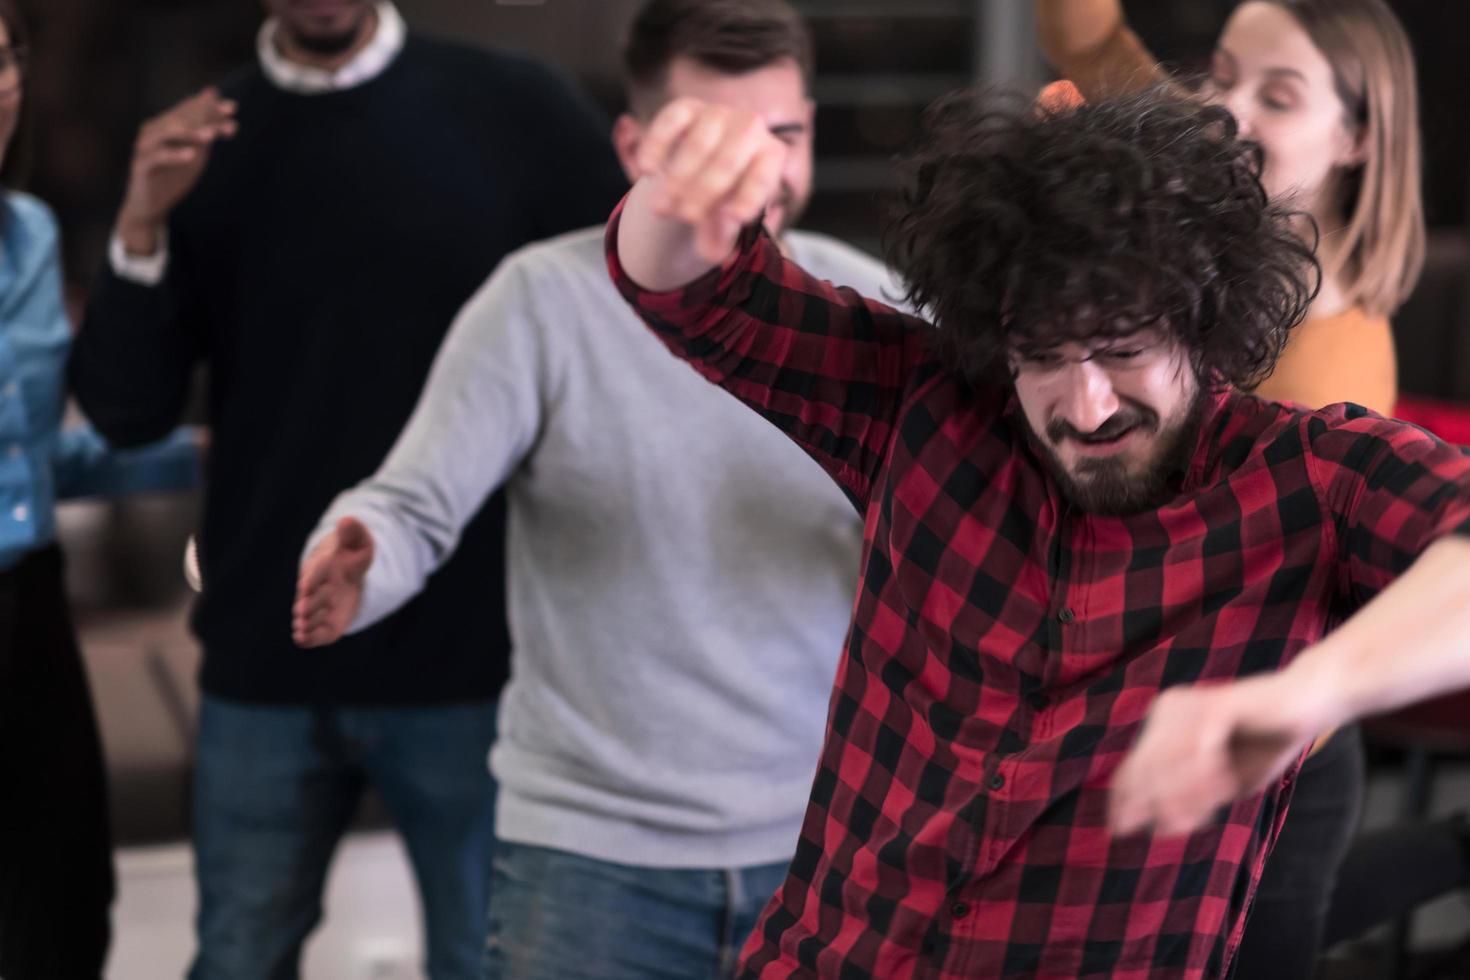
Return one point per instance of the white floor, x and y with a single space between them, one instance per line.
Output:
372 928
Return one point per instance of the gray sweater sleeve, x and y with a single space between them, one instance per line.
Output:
477 418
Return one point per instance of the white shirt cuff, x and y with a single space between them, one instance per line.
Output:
145 270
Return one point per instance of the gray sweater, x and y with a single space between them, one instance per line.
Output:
681 575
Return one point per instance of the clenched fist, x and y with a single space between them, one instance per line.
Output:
713 168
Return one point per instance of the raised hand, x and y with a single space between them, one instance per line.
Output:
329 590
169 156
715 168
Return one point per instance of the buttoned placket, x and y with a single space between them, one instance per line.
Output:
14 406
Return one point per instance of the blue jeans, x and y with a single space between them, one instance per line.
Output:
274 792
559 916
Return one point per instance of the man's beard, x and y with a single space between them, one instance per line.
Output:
1108 486
328 45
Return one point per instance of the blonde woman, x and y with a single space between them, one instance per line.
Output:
1327 89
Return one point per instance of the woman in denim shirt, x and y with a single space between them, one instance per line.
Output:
56 880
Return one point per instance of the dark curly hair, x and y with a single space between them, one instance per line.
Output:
1045 225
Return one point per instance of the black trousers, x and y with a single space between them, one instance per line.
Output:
1287 923
56 876
1392 871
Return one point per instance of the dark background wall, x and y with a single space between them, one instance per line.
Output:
100 66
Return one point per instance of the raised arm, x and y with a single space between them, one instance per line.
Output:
1090 43
133 358
827 366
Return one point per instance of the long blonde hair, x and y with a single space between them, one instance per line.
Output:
1381 249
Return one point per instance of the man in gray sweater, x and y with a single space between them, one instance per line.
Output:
681 575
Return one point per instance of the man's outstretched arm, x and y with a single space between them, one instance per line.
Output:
377 544
1397 503
1205 746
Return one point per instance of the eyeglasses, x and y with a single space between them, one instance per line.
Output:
13 61
1120 357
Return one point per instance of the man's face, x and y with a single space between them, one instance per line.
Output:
1113 419
776 93
324 27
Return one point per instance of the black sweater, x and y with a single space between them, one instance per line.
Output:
316 268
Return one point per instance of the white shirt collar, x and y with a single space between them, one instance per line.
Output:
366 65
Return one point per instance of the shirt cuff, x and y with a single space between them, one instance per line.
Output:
145 270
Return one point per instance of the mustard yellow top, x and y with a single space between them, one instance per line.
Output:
1348 357
1344 358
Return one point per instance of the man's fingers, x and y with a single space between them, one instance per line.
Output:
665 130
311 609
353 535
317 637
721 173
204 111
315 571
690 157
174 135
757 186
206 105
166 159
317 629
317 618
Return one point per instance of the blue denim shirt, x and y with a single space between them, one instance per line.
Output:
40 463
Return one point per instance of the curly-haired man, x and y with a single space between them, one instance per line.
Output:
1071 505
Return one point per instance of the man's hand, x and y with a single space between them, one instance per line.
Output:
329 590
169 156
1203 747
715 167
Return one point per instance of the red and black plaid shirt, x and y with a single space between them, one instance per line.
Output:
1005 646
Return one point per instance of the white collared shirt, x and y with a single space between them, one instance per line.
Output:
290 76
366 65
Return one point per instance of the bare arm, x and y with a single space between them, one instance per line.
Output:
1205 746
1089 42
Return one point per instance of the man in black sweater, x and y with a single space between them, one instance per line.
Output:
308 231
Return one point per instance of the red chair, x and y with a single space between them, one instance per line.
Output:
1448 420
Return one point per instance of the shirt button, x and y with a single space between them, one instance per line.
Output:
959 910
997 781
21 512
1066 615
15 450
11 390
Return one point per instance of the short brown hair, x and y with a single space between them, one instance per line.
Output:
1381 250
732 36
